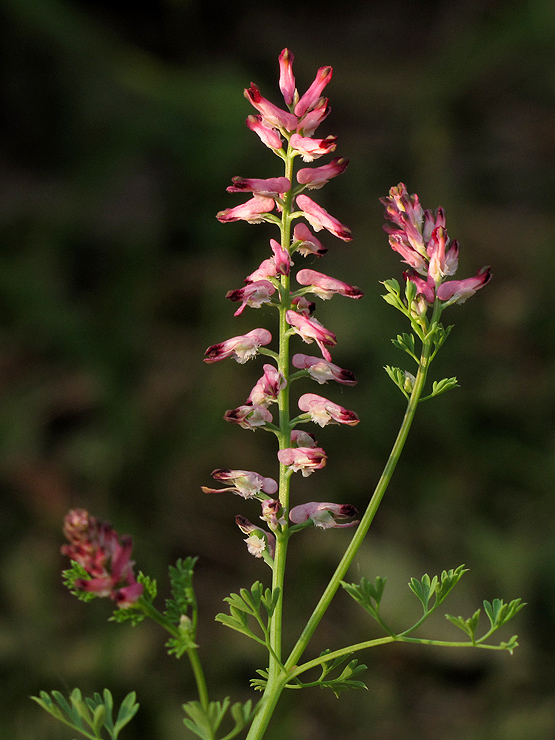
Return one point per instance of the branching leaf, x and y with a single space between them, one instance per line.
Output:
368 595
181 580
468 626
424 589
500 613
406 342
94 712
402 379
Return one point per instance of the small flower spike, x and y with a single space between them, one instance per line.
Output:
104 555
245 483
322 371
324 412
240 348
324 515
326 287
303 459
421 239
258 541
311 330
319 218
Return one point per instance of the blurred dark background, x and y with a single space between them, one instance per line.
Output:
121 127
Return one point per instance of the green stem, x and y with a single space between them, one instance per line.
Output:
192 652
277 682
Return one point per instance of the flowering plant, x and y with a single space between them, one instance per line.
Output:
101 559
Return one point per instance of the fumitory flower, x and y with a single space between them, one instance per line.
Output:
319 218
322 411
316 177
306 243
326 287
267 387
253 294
105 556
248 416
246 483
303 459
240 348
324 515
251 211
259 541
322 370
311 330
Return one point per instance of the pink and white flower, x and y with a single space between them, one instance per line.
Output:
282 258
249 417
272 187
308 243
267 135
253 295
458 291
270 113
303 459
324 515
314 118
240 348
316 177
286 76
319 218
252 211
303 305
322 411
322 370
311 149
326 287
311 330
245 483
303 439
312 95
267 387
272 513
259 541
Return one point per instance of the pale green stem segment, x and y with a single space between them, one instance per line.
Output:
279 678
192 652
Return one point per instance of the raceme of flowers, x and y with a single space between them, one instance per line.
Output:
289 133
104 555
421 239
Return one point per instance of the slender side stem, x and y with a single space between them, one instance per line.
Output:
274 688
192 652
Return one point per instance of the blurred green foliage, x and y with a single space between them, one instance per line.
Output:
122 125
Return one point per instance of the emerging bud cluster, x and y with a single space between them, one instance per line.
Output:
105 556
289 133
421 239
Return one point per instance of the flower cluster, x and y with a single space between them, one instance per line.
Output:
420 237
104 555
290 134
